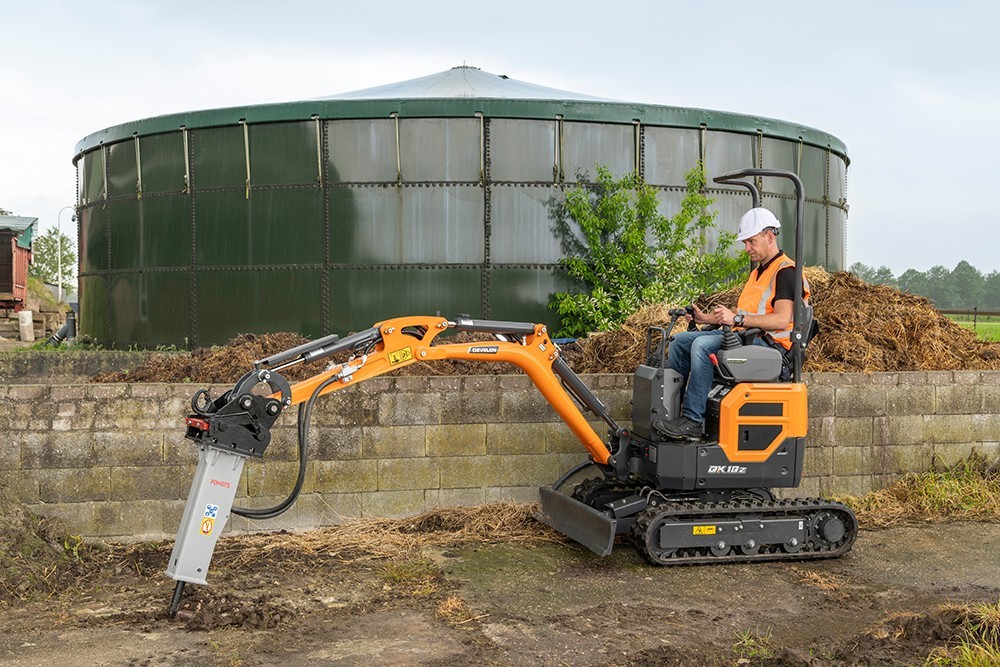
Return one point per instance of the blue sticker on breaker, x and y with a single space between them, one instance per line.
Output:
212 511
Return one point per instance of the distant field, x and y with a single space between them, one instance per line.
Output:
988 328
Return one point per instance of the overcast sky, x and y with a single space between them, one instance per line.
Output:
912 89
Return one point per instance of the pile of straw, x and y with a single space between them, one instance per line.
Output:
866 328
219 364
872 328
384 539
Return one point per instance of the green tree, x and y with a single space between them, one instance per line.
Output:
966 284
862 272
991 291
625 254
4 211
883 276
939 287
880 276
45 259
913 281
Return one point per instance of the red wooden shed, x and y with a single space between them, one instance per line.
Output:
16 233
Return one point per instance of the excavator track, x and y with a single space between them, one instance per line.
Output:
744 531
598 491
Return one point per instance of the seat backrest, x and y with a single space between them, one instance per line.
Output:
810 325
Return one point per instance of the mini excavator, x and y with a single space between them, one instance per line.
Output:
681 502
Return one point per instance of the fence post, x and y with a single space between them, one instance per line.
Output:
975 314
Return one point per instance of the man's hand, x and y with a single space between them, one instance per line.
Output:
723 315
700 316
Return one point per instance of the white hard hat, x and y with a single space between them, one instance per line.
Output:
754 222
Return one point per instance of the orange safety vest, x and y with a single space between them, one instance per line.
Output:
758 292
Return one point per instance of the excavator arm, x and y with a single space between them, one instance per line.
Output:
399 342
236 425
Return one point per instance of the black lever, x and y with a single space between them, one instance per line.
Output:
692 325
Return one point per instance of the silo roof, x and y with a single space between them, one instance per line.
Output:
460 82
465 91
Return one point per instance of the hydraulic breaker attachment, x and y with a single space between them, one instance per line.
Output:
205 515
228 430
582 523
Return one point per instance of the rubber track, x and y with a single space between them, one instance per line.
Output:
612 487
707 512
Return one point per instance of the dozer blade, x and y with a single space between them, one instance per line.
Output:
582 523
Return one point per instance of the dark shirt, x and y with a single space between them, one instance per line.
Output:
784 282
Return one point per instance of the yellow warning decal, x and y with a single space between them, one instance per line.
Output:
704 530
207 524
399 356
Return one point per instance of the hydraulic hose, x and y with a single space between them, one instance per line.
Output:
572 471
305 414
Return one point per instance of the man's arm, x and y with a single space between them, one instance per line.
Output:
784 293
776 321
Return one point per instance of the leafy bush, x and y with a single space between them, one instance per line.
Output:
624 254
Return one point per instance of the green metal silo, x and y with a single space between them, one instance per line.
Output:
428 195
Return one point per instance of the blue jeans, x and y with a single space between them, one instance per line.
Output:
688 355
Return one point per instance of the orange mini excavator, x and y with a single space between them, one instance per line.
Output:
682 502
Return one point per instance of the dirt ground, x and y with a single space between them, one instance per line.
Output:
540 603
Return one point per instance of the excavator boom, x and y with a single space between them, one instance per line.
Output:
394 344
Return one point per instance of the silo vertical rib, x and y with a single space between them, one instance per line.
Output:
109 302
482 147
826 208
246 152
702 143
193 271
758 157
486 272
187 161
560 147
324 282
637 154
319 150
399 161
138 167
104 175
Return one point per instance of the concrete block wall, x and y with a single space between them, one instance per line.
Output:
865 431
111 461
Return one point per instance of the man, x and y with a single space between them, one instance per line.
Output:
765 303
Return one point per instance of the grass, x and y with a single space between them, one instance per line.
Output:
753 645
969 491
417 577
979 643
987 328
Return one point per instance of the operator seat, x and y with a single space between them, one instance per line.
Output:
756 363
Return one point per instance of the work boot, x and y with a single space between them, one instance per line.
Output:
682 428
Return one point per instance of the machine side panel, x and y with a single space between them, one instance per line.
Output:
655 395
756 419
